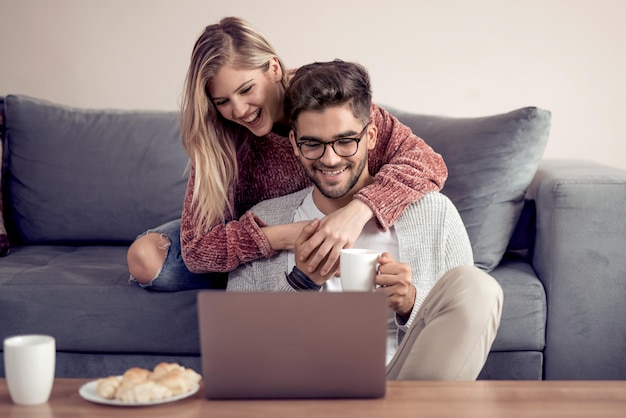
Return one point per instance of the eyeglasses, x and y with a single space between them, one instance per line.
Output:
343 147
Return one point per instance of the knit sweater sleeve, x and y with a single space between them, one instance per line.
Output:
268 275
405 168
264 275
225 245
432 239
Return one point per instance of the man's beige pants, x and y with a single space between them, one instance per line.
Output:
454 329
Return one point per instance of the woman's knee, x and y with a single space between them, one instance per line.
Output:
146 256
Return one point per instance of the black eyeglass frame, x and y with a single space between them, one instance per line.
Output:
356 139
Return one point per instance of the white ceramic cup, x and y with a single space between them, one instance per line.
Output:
358 269
29 362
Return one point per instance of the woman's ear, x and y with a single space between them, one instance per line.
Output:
275 69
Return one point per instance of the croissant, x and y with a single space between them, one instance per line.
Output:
107 387
162 369
142 385
136 375
177 382
142 392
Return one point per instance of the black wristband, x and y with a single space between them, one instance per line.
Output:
300 281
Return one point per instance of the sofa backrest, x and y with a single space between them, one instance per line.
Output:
78 175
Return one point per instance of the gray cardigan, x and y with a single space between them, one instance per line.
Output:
431 239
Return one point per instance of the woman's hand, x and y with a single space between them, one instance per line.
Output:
337 230
395 280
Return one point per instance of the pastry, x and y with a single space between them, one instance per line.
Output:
142 385
144 391
162 369
136 375
107 387
176 381
192 376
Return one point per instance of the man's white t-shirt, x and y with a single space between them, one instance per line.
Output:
372 238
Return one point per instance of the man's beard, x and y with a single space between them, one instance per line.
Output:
334 192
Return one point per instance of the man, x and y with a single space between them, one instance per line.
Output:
444 312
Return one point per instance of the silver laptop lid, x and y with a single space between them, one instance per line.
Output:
293 345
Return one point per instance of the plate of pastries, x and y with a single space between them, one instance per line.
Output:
167 382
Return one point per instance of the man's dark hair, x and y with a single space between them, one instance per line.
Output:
334 83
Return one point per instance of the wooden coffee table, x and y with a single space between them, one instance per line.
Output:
484 399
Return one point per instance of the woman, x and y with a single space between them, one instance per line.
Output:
236 134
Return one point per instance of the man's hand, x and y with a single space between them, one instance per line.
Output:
394 279
336 231
301 262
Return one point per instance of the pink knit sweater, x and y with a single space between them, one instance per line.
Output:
405 169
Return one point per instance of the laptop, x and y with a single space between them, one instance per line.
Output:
271 345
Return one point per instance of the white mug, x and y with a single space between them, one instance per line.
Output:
358 268
29 363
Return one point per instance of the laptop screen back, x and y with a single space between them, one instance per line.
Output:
293 345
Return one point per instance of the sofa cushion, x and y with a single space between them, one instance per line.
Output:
82 297
524 311
491 161
78 175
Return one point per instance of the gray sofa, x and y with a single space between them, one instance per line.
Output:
78 185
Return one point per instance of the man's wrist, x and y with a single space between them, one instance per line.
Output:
298 280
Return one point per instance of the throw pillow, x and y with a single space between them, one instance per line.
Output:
491 161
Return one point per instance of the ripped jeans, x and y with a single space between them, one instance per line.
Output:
174 274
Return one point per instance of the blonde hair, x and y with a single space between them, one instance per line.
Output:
211 141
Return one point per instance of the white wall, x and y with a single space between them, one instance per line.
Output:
453 57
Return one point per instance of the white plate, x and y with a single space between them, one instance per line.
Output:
89 392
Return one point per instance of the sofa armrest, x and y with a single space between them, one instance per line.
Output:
580 258
4 238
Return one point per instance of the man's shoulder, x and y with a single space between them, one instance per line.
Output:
433 200
281 207
432 207
434 215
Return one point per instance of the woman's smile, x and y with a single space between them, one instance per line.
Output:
252 118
